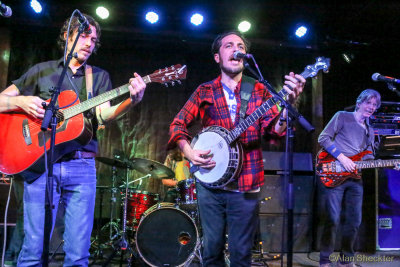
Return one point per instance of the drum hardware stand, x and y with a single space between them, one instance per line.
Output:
260 257
122 244
98 252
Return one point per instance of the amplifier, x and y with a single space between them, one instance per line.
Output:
272 194
271 233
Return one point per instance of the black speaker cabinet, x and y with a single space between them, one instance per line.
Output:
271 233
273 194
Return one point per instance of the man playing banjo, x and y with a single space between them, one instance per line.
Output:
231 208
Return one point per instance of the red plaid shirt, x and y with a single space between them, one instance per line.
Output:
208 102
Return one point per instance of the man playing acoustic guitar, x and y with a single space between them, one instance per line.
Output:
74 174
347 134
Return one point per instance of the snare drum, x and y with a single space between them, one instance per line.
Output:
138 203
166 236
187 198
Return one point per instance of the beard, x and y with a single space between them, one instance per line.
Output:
231 71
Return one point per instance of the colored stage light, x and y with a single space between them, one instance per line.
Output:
36 6
152 17
301 31
196 19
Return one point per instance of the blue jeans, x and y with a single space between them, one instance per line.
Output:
224 212
350 194
75 184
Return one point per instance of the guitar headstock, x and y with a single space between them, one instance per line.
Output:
322 63
172 74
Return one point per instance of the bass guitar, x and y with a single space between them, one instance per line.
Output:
22 141
226 151
332 173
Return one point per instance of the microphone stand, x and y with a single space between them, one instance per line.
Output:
292 116
392 88
50 117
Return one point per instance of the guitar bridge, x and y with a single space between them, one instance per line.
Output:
26 132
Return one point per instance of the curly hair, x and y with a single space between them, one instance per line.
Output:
216 45
74 26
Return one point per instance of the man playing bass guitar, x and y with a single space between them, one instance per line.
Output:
347 134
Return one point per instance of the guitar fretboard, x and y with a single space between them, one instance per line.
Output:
100 99
379 163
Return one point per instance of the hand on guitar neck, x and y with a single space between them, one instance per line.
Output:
200 158
347 163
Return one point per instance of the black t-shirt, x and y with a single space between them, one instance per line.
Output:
42 77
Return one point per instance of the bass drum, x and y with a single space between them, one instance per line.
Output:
166 236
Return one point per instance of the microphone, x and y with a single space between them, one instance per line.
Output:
380 78
238 55
5 11
84 22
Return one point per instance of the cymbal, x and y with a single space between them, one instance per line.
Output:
154 168
146 166
114 162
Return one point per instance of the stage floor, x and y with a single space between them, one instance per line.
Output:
381 259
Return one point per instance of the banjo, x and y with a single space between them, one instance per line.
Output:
226 151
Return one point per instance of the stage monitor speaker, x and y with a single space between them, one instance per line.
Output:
272 194
271 233
388 225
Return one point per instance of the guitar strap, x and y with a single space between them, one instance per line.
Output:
246 88
89 84
89 81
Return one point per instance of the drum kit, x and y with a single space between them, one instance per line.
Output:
158 233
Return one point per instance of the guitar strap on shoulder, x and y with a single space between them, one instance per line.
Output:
89 81
246 88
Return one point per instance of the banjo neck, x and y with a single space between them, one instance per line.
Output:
309 71
252 118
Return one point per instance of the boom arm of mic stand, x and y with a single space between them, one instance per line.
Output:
291 111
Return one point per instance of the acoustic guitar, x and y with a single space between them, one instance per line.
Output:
22 141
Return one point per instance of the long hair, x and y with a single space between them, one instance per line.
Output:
74 26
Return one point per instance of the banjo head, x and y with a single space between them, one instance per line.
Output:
220 154
228 157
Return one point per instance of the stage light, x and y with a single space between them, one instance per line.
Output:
348 57
244 26
102 12
36 6
196 19
152 17
301 31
